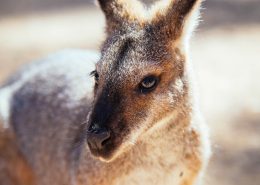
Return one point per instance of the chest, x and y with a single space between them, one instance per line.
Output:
164 168
152 176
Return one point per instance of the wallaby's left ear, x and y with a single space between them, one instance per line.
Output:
121 13
176 19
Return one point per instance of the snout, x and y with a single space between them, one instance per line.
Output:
97 137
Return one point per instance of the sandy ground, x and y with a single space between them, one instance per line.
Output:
227 66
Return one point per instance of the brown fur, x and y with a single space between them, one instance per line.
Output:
154 47
14 169
156 136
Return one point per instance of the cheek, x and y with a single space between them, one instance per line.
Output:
155 108
143 111
136 111
162 105
175 92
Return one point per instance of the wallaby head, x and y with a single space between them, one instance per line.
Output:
141 76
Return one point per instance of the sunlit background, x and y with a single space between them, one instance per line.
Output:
226 57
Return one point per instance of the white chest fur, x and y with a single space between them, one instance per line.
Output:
152 176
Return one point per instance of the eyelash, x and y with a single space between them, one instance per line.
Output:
95 74
92 73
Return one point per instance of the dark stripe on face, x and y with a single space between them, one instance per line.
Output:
122 53
105 107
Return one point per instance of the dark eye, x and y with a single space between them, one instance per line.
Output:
148 84
95 75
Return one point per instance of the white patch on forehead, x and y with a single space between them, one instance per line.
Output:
136 34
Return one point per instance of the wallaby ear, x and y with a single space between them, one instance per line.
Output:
175 19
121 12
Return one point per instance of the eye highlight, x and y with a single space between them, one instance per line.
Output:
148 84
95 75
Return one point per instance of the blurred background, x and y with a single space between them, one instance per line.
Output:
225 52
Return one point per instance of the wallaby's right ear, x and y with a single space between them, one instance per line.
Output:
121 12
176 19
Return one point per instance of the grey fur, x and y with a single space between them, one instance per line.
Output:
154 137
49 101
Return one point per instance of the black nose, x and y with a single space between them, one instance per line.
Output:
97 136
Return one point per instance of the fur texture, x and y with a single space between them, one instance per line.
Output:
156 136
13 166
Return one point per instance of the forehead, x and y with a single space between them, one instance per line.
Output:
133 55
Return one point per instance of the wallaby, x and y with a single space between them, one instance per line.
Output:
139 125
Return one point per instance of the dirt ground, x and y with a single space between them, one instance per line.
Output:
227 66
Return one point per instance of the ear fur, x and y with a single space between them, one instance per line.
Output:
172 20
121 12
175 19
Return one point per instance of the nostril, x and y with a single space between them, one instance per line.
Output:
102 138
94 128
105 142
98 137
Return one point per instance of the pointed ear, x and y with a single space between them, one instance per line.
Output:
121 12
176 19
